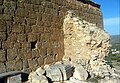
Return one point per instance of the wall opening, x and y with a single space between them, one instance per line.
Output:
33 45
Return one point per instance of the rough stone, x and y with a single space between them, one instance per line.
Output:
32 63
12 54
80 73
3 36
59 72
14 79
2 68
2 55
17 28
1 2
2 26
54 73
14 65
34 78
74 80
40 71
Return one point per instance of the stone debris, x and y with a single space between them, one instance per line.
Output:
35 78
80 73
59 72
40 71
74 80
54 73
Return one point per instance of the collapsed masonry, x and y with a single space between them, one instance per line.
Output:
86 47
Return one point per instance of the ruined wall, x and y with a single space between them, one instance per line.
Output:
31 31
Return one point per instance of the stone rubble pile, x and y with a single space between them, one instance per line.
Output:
66 72
85 47
59 72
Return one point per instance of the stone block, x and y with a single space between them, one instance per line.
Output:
36 8
25 64
2 68
7 45
56 19
3 36
51 11
40 71
49 60
32 15
11 54
21 38
28 54
35 53
6 17
56 6
47 24
18 28
43 52
2 26
66 69
54 73
17 45
26 46
32 37
20 4
37 29
7 11
19 20
2 55
80 73
1 2
37 2
20 12
39 17
40 61
14 65
34 78
31 22
47 4
12 38
41 9
14 79
27 29
46 17
59 72
32 63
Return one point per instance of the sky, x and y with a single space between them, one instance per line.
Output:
111 15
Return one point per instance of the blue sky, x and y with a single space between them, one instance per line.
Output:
111 15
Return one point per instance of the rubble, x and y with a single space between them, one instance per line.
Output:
80 73
35 78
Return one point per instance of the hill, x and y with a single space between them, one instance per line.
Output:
115 41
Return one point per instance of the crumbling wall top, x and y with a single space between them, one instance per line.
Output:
90 2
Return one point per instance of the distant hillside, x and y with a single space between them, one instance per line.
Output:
115 41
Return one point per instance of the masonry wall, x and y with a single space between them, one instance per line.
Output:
31 31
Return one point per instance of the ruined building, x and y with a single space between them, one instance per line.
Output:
31 31
34 33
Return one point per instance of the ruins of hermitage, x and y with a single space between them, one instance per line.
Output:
54 41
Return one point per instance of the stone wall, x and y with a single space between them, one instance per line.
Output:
31 31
